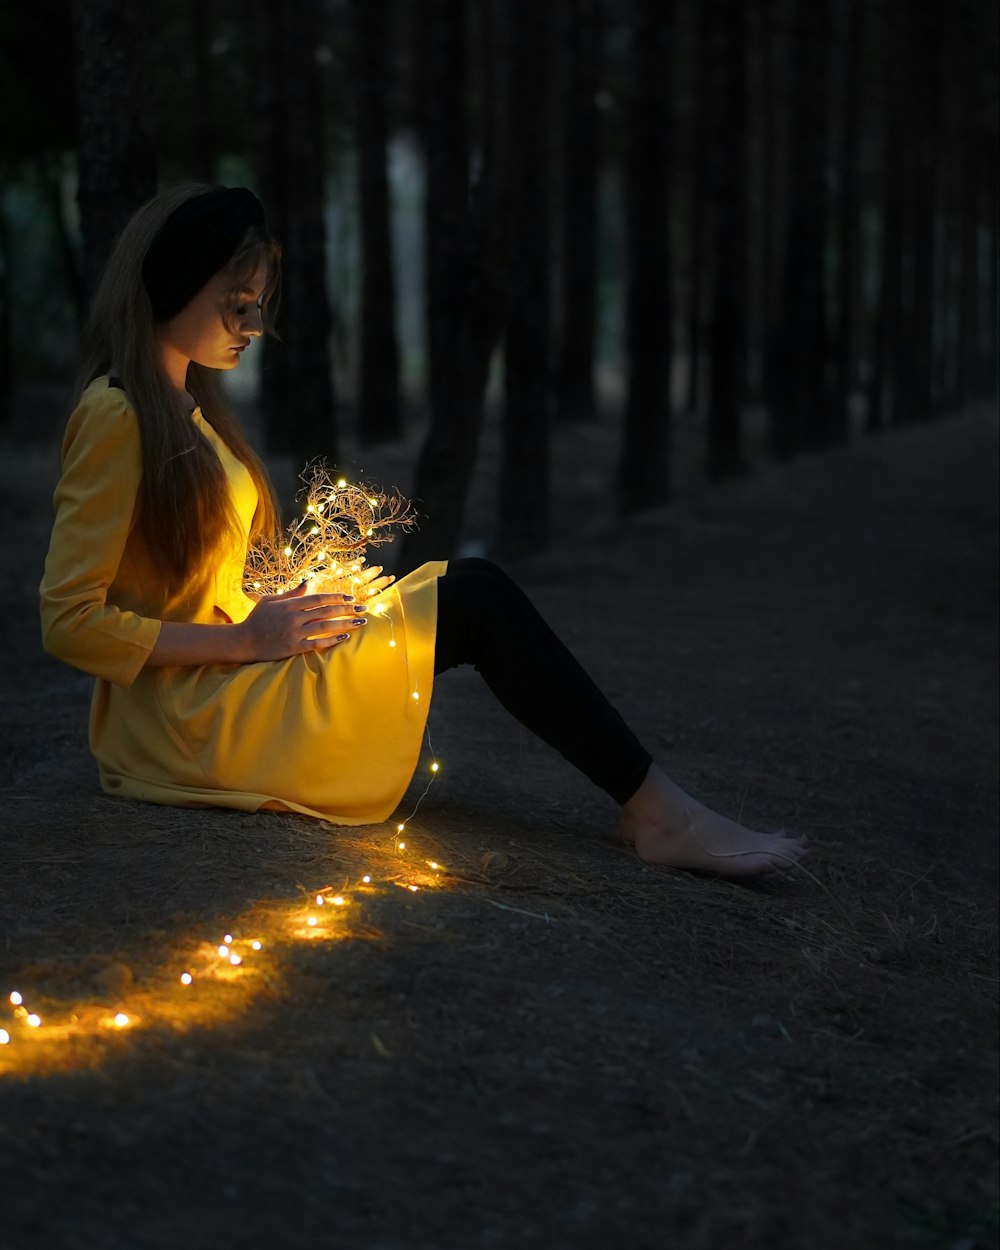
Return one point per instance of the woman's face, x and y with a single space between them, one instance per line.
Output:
213 329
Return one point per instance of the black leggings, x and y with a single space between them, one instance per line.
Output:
486 620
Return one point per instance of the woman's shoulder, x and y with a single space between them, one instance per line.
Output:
103 408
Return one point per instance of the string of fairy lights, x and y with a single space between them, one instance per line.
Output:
326 547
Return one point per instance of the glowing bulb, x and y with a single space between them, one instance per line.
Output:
313 920
412 888
256 945
314 530
228 939
416 695
16 998
235 960
402 846
433 864
186 978
342 482
392 642
121 1020
320 900
379 609
223 951
4 1037
400 828
34 1020
256 585
311 508
366 879
337 900
288 551
373 502
435 767
369 534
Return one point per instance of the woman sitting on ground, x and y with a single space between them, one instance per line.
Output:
206 695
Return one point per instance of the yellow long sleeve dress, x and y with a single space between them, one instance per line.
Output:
334 734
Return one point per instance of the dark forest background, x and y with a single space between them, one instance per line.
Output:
662 215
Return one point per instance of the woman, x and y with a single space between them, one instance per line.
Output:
301 702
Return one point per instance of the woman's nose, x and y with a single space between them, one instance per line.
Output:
253 323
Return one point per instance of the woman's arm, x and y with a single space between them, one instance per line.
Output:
95 504
279 626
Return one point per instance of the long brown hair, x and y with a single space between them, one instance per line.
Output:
184 510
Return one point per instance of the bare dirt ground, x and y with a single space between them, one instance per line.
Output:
548 1044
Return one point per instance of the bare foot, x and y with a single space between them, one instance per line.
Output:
667 826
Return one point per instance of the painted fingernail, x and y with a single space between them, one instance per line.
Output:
356 623
348 598
359 607
343 637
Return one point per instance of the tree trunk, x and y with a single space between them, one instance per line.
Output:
524 458
579 314
644 467
798 402
379 418
847 225
883 384
968 293
297 395
771 161
728 328
989 388
116 161
204 157
700 178
6 356
50 178
466 265
927 31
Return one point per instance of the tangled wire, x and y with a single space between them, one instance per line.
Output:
327 546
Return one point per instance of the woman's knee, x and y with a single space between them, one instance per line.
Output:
476 564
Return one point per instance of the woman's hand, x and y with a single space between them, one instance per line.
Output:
289 624
369 583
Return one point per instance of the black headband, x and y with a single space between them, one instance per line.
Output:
194 243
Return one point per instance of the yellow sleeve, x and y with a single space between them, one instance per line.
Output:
95 506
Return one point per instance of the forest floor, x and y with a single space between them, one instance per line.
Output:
547 1043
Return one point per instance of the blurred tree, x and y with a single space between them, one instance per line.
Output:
770 31
727 163
467 256
583 20
6 372
798 401
644 466
524 457
296 393
201 15
848 210
890 252
701 172
379 417
925 29
37 132
116 161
